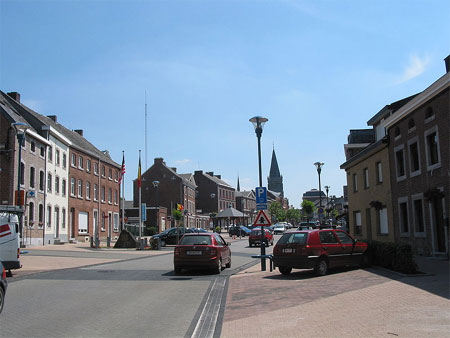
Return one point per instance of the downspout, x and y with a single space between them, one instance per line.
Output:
45 194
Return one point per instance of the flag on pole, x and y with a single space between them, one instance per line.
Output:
180 207
122 169
139 172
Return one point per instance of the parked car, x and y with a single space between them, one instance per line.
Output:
198 230
239 231
319 250
202 250
306 226
279 228
256 237
3 286
170 236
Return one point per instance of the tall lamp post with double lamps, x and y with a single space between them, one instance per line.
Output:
258 122
319 166
20 129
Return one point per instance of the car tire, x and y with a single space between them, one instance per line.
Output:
218 269
177 270
2 299
284 270
321 268
163 243
228 265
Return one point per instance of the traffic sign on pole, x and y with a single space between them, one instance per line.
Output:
261 195
262 219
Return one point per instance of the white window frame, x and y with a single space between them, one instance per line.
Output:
418 197
83 226
88 190
64 187
95 192
116 222
426 134
64 160
49 216
80 188
72 186
400 218
80 162
57 157
57 184
383 215
355 182
73 160
379 169
366 178
88 165
49 182
419 171
358 222
63 218
95 168
396 150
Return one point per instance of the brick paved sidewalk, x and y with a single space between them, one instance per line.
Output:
346 303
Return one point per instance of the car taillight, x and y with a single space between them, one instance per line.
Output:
4 273
213 252
18 253
177 252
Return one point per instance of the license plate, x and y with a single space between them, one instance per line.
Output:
288 250
193 253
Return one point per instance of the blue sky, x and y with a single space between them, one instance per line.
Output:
315 69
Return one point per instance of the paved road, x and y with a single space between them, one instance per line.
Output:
134 295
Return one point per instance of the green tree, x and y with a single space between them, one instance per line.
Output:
293 215
308 208
177 215
277 211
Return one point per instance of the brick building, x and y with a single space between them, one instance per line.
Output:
214 194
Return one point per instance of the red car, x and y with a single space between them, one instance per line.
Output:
255 237
202 250
318 249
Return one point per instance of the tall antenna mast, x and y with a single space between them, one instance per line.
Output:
146 130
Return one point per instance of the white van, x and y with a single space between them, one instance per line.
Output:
9 241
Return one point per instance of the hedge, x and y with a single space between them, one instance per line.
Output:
393 256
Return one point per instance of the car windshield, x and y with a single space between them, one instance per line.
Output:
196 240
297 238
279 226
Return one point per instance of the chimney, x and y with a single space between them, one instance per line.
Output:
198 172
79 131
219 176
159 160
447 64
174 169
210 173
54 119
15 96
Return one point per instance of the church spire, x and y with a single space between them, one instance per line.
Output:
238 186
275 180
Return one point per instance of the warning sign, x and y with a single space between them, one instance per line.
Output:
261 219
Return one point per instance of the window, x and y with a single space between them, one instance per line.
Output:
32 147
42 151
116 176
110 196
83 222
403 215
49 216
50 154
414 160
411 125
429 114
116 222
400 162
73 160
358 224
80 188
432 148
56 219
32 177
64 161
49 182
63 218
115 197
31 214
366 178
110 174
379 171
355 183
344 238
327 237
22 173
88 190
72 187
397 134
103 171
41 181
95 168
80 162
88 165
57 159
95 192
419 221
103 221
63 187
383 224
41 215
56 185
103 194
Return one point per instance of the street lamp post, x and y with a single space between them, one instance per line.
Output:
319 170
327 188
155 185
20 129
258 122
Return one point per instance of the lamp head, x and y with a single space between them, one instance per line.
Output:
319 166
20 127
258 122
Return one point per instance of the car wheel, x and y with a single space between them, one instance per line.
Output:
2 298
177 270
163 243
321 267
228 265
284 270
219 266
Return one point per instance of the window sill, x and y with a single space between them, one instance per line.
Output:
431 118
415 173
434 166
420 235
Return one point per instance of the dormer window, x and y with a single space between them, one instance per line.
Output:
397 134
429 113
411 125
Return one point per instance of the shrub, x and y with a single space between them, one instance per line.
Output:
151 231
393 256
218 229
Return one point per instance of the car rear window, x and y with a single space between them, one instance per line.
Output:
295 238
196 240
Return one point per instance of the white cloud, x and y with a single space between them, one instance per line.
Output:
416 66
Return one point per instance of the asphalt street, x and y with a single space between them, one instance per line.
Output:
134 296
